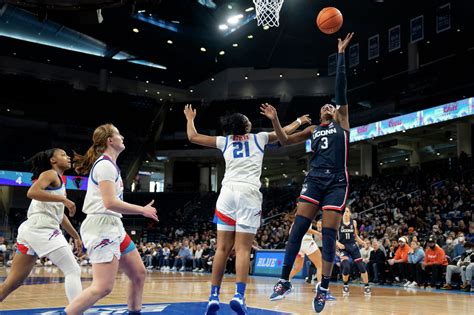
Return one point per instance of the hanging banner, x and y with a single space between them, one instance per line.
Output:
443 18
417 29
374 47
394 40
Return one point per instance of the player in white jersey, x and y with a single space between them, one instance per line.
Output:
107 243
239 206
40 235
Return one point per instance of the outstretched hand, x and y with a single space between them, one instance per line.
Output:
189 112
305 119
268 111
342 44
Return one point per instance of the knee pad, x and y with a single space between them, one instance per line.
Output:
72 270
329 244
361 266
345 267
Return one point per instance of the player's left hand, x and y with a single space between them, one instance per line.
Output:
342 44
189 112
268 111
305 119
78 246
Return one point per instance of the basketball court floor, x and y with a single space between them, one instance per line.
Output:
187 293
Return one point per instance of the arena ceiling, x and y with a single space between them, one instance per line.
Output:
174 34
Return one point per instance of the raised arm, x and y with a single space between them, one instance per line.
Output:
291 128
270 112
193 135
342 116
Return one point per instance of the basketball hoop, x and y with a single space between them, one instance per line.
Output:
268 12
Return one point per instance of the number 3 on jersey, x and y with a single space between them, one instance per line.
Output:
239 149
324 142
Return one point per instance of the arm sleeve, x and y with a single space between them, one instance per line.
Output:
220 143
341 80
105 170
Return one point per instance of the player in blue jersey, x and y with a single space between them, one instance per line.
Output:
348 237
327 184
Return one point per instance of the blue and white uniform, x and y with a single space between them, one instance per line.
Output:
102 231
41 233
239 206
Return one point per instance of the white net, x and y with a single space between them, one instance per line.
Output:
268 12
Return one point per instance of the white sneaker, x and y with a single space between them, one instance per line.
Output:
173 269
201 270
406 284
397 279
182 269
413 285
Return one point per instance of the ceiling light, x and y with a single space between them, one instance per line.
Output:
212 79
428 42
175 22
161 100
250 36
381 163
146 91
179 80
246 77
157 92
233 20
266 27
223 27
317 74
450 139
169 41
437 153
79 66
141 11
135 30
191 90
229 6
222 53
203 49
404 131
147 81
8 109
169 94
235 45
281 75
249 9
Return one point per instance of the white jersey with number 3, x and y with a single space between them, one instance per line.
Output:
243 157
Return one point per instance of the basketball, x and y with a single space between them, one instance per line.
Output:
329 20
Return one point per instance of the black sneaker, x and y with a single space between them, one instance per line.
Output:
280 290
320 299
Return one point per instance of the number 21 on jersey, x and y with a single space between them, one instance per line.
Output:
241 149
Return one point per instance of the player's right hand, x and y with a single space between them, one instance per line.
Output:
150 212
189 112
71 207
268 111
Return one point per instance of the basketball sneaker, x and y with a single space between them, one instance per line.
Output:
213 305
237 304
281 289
320 298
367 290
345 290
